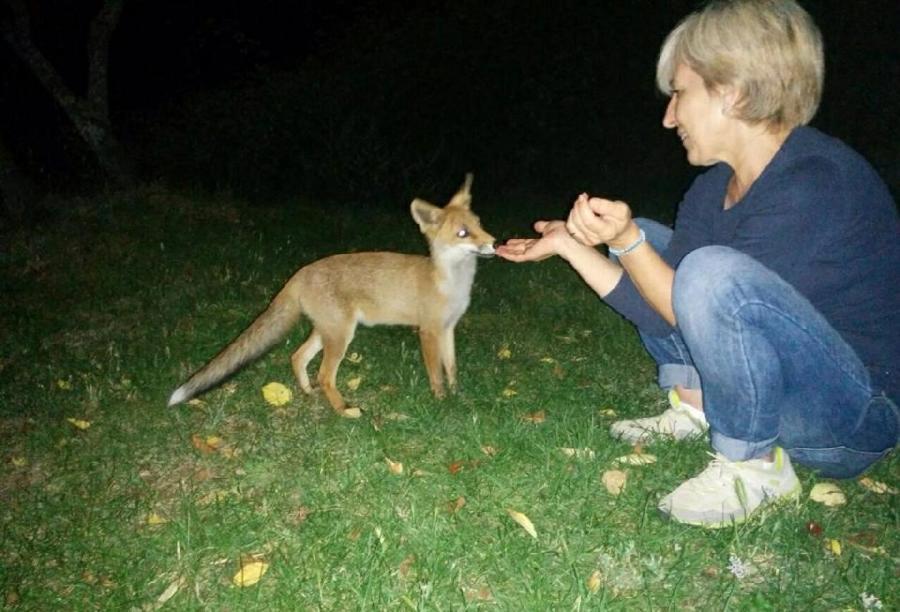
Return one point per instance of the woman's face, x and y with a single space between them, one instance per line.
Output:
699 117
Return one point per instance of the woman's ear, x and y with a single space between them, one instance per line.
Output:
728 97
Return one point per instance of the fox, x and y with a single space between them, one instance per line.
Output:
339 292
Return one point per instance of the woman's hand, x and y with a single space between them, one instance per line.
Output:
554 240
594 221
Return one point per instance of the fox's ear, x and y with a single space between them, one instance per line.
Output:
426 215
463 199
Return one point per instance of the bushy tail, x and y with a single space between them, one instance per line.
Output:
268 328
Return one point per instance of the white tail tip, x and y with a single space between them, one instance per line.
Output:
178 396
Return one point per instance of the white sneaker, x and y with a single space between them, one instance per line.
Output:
728 492
680 421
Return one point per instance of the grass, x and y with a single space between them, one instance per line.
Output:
109 307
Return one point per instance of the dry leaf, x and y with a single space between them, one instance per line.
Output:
19 461
65 385
828 493
548 360
504 352
580 453
406 566
353 383
351 413
155 519
199 442
509 392
607 412
478 594
834 547
877 487
394 466
250 573
79 423
196 402
170 591
456 505
534 417
594 581
276 394
636 459
490 451
214 442
354 357
456 466
524 521
396 416
614 481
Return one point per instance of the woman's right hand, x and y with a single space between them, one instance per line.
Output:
554 240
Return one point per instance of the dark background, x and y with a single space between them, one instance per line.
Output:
377 101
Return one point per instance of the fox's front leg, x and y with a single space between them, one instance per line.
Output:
432 354
448 358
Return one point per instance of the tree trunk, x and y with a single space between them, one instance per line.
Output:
90 113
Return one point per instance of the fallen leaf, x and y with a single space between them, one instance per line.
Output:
170 591
509 392
877 487
490 451
834 547
594 581
250 573
300 515
534 417
351 413
636 459
65 385
478 594
524 521
614 481
504 352
396 416
196 402
607 412
828 493
548 360
19 461
354 358
456 505
814 528
580 453
353 383
395 467
276 394
155 519
406 566
214 442
456 466
79 423
199 442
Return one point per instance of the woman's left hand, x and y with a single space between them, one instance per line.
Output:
594 221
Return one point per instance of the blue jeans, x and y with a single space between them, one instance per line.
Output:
772 370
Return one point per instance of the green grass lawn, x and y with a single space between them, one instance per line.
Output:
111 305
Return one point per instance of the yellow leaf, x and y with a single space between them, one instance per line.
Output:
504 352
155 519
170 591
65 385
490 451
250 573
834 547
523 521
594 581
214 442
614 481
548 360
276 394
353 383
509 392
354 358
534 417
351 413
636 459
580 453
79 423
828 493
19 461
394 466
877 487
607 412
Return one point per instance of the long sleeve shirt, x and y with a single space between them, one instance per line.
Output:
819 216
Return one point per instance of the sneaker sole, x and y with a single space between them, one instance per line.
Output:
761 511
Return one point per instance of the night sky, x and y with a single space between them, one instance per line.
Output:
591 61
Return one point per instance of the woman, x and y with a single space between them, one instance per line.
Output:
773 308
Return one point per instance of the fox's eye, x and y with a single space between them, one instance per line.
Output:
462 233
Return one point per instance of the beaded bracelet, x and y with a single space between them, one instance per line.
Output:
619 252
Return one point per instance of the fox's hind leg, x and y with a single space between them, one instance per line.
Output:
335 343
301 358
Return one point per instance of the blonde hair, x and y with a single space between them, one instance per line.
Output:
770 51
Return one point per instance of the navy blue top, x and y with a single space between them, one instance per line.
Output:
821 217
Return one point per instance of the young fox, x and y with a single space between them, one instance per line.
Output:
379 288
